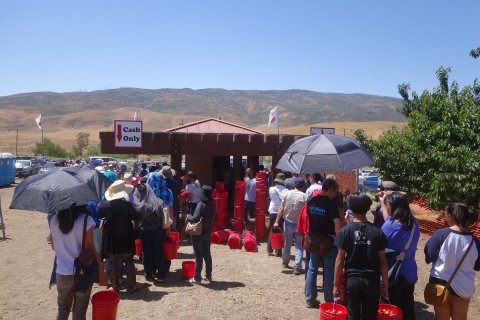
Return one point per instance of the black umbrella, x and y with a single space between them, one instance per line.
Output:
51 191
95 179
324 153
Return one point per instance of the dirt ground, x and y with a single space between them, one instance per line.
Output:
246 286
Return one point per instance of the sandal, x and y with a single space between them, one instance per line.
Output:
134 288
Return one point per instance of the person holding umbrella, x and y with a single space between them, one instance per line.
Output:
66 229
118 241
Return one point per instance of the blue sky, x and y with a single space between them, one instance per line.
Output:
327 46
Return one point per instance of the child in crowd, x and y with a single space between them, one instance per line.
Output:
361 252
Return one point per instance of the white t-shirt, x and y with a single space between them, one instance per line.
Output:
276 195
194 191
313 187
68 246
250 189
292 204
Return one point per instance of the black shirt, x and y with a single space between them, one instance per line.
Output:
321 211
118 236
362 241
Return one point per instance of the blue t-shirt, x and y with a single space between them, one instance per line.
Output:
397 238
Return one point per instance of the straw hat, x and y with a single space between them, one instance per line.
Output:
129 177
118 190
167 172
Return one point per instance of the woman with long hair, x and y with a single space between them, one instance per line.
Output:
445 250
66 229
398 227
151 232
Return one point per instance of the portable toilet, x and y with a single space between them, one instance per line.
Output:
7 169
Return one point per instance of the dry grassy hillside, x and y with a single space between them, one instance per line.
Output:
62 129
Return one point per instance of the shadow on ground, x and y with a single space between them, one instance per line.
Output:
422 313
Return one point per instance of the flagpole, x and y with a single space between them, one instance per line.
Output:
278 126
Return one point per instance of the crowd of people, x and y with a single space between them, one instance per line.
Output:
333 230
328 229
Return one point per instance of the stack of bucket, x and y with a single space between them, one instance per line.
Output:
234 241
170 247
249 242
104 305
239 206
220 197
219 237
261 204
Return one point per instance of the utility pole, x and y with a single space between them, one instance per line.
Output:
16 141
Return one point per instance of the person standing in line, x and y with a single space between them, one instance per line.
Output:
157 182
324 221
276 194
118 239
174 187
445 249
250 195
290 208
361 252
316 180
192 193
399 225
201 243
151 232
66 230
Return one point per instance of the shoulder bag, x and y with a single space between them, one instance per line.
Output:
395 260
194 228
166 220
437 294
86 271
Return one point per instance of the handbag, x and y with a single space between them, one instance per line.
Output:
395 260
86 266
194 228
317 244
166 220
437 294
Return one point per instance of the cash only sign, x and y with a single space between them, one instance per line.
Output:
128 133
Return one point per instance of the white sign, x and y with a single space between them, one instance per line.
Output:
128 133
318 130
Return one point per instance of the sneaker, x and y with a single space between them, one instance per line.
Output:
208 280
313 305
297 271
193 280
285 265
150 278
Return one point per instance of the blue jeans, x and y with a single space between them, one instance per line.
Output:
328 271
290 232
362 297
201 249
153 263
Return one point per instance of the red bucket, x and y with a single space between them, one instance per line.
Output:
169 250
276 239
234 241
332 311
389 312
175 236
138 247
104 305
188 269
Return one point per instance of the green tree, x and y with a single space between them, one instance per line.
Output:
437 154
475 53
48 148
82 142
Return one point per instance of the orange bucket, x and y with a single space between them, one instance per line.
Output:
105 305
332 311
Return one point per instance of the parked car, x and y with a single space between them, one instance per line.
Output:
23 168
49 166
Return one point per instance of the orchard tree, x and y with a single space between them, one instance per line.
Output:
437 154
